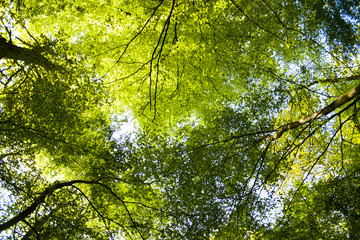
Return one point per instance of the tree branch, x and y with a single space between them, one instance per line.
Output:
39 200
335 80
328 109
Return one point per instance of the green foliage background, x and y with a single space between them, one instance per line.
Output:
218 92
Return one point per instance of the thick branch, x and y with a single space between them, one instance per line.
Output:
335 80
328 109
30 56
39 200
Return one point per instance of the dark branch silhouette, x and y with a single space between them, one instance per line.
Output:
29 56
39 200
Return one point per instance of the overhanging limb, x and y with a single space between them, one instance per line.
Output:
326 110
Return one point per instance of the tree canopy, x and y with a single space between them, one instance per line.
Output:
244 119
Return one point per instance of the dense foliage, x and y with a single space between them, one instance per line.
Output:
244 119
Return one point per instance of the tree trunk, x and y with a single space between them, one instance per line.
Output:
28 56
